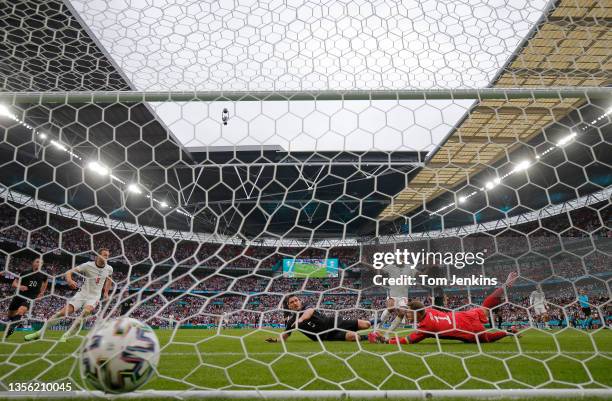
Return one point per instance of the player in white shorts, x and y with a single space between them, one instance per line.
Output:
397 300
537 300
97 276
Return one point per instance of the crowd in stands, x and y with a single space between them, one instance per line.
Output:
234 304
193 283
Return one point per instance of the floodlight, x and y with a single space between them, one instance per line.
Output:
133 188
6 112
59 145
98 168
566 139
524 165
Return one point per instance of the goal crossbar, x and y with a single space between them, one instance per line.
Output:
212 96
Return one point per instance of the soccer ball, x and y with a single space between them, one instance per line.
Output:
120 355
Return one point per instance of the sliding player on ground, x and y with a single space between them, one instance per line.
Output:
97 275
316 325
398 296
537 300
466 326
397 301
30 286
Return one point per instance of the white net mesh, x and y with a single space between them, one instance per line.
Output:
215 206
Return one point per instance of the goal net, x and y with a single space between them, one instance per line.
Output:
385 164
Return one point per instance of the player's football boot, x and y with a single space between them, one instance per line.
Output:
514 331
32 336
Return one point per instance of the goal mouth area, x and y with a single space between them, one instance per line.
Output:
302 200
497 394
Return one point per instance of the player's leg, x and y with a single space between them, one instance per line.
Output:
347 330
492 337
363 324
497 296
546 321
395 323
353 336
387 314
15 314
536 319
542 319
489 336
57 316
438 299
401 309
11 314
588 322
78 322
500 319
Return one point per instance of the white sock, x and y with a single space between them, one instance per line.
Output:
49 323
76 326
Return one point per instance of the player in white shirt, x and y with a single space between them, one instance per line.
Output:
97 275
537 300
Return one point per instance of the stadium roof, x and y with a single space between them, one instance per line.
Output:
309 46
569 47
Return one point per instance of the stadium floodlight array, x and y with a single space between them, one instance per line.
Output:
94 166
320 137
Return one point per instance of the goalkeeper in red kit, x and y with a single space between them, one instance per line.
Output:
467 326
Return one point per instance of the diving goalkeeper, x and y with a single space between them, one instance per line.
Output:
467 326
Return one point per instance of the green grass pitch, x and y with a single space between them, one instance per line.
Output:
303 270
240 359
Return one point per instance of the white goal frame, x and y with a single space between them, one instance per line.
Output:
594 92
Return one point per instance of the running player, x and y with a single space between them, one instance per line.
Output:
97 276
466 326
30 286
316 325
537 300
